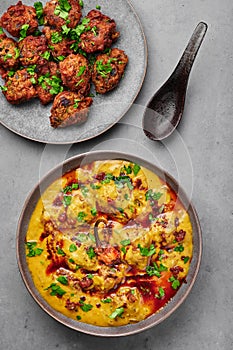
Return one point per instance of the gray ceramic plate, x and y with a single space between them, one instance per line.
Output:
31 120
153 320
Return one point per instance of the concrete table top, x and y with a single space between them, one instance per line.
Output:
198 155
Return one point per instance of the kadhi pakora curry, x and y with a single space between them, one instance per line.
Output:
109 243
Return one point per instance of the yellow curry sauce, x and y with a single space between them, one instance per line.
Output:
109 243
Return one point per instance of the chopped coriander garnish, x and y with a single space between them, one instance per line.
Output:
8 55
136 169
66 200
179 248
51 83
175 282
98 7
151 217
73 248
94 30
125 242
11 73
127 169
3 88
63 280
56 290
78 317
60 58
17 53
33 251
81 3
94 211
1 31
95 187
76 102
85 307
74 186
147 251
91 252
153 270
103 68
56 37
81 71
161 208
123 249
23 31
185 259
60 252
118 312
31 69
162 268
79 82
107 178
33 80
150 195
84 191
161 293
65 29
106 300
81 215
62 10
121 180
39 12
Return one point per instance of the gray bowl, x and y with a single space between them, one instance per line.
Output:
154 319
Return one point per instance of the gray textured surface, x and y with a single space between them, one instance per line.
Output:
200 156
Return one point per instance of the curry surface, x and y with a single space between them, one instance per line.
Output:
109 243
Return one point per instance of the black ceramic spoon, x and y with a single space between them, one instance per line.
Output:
164 111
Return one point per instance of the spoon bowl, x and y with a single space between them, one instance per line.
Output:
165 109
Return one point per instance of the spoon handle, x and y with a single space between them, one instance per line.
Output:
185 63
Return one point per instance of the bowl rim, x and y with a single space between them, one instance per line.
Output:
118 331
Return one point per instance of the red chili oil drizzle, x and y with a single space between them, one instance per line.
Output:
149 290
71 177
55 265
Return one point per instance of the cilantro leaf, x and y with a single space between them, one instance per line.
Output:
136 169
125 242
147 251
56 290
33 250
154 196
91 252
23 31
118 312
67 200
73 248
39 12
63 280
175 282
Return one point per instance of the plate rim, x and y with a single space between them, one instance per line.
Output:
129 329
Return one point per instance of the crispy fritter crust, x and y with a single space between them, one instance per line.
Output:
32 50
101 35
18 15
9 53
60 48
69 108
20 87
55 21
43 89
108 70
75 73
